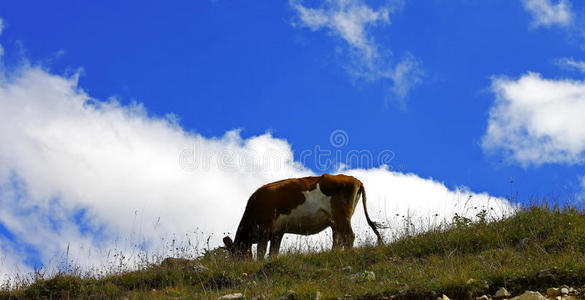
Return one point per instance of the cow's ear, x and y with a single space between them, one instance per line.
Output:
229 244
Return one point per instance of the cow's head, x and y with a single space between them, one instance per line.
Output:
239 250
229 244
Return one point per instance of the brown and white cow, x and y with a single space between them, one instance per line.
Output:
302 206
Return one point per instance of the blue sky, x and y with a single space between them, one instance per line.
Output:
418 78
223 65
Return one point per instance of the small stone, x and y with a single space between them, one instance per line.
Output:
484 297
530 295
523 244
363 276
553 292
317 295
200 268
502 293
184 264
290 295
235 296
470 281
444 297
370 276
547 275
347 269
402 288
564 291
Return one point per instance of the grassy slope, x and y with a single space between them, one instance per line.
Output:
509 252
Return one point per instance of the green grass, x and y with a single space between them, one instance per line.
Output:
458 259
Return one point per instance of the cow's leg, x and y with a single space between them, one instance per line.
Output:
345 235
349 238
336 238
261 250
275 245
246 251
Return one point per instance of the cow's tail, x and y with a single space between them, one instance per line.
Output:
373 225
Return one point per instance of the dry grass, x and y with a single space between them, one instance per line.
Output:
459 259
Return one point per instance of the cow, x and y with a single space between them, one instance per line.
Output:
304 206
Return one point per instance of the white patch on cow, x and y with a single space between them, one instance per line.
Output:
311 217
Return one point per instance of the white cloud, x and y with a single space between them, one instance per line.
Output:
570 63
392 193
83 176
406 76
536 120
546 13
352 22
347 19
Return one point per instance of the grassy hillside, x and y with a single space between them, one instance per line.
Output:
535 249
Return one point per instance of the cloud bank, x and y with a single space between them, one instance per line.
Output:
535 120
352 21
80 177
82 173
